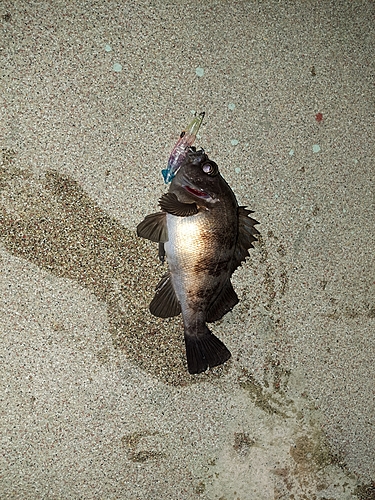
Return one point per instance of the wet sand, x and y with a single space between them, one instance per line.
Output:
97 401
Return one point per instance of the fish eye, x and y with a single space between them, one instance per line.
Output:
210 168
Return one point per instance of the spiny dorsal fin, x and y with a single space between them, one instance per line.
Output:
246 236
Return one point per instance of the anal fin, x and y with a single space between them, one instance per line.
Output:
224 303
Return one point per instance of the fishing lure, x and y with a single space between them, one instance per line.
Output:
179 152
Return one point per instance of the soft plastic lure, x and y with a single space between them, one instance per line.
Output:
187 138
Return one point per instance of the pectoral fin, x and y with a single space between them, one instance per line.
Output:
154 227
165 303
246 236
170 203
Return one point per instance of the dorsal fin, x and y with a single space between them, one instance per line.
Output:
246 237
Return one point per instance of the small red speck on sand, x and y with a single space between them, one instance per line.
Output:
319 117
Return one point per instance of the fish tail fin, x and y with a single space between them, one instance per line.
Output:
204 350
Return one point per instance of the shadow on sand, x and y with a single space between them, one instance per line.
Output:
55 225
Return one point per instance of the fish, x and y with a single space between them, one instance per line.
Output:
186 139
205 236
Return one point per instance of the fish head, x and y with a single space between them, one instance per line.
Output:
198 179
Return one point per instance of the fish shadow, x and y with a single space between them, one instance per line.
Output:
56 225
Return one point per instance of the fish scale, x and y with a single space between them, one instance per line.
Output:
190 249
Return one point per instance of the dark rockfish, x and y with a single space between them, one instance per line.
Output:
205 236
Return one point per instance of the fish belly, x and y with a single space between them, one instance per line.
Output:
196 261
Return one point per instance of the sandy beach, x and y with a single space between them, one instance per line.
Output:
97 402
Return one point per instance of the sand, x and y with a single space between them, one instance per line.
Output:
96 399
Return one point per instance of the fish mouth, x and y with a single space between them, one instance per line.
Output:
192 189
197 192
